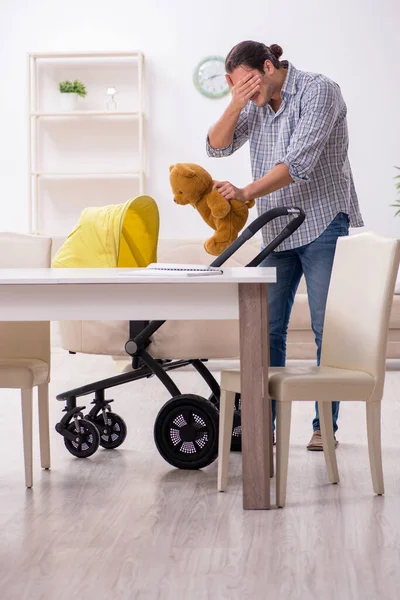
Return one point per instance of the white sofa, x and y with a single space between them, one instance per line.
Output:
200 339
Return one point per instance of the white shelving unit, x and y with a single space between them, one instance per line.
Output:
86 113
90 156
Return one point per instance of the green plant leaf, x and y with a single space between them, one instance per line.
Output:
66 87
80 89
77 87
397 202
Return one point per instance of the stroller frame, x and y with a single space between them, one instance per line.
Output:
186 428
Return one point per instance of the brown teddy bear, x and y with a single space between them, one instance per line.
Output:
191 184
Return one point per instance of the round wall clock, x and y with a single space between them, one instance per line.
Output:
209 77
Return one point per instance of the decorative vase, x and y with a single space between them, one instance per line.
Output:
68 101
111 103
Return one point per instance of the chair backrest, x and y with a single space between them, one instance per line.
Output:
359 302
26 339
24 250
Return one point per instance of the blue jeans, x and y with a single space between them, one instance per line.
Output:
315 261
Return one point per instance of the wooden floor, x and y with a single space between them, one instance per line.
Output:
124 525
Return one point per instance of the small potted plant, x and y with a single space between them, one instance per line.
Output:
397 203
70 92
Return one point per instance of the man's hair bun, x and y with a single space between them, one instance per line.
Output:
276 50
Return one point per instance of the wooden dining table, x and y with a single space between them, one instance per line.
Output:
126 294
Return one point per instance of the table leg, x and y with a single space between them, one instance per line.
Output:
255 404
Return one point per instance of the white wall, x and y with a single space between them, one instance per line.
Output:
355 42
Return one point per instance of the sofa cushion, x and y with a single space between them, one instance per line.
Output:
192 251
394 322
196 339
300 318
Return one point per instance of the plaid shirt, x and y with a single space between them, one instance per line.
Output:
309 134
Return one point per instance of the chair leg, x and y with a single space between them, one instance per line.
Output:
43 402
374 446
26 404
226 410
283 418
328 440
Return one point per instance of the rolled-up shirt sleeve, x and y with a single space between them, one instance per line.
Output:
240 137
322 105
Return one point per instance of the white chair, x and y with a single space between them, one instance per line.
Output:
25 347
352 359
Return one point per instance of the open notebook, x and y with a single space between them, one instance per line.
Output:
190 270
184 267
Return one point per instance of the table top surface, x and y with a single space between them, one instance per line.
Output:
136 276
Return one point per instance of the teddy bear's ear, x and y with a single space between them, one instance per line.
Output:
184 170
171 167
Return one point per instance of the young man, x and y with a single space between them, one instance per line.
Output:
296 126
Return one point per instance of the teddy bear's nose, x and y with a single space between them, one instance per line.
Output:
174 199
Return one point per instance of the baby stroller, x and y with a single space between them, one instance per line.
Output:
186 427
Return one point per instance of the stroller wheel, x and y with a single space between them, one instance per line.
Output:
236 442
186 432
112 433
87 439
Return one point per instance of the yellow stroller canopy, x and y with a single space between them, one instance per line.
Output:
118 235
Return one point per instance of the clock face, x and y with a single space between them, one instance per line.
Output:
209 77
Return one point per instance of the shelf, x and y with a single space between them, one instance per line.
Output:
87 113
62 55
79 175
91 155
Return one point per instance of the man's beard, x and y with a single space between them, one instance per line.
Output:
266 96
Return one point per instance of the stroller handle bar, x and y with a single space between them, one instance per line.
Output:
298 217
